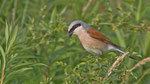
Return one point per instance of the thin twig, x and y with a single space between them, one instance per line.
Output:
42 38
140 63
147 71
115 64
3 74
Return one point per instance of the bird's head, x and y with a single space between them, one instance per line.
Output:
76 26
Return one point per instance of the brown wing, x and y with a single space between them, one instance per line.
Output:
97 35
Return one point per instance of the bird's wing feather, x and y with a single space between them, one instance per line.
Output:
97 35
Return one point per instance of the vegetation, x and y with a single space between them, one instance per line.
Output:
35 49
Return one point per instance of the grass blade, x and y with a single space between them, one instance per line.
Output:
120 38
139 11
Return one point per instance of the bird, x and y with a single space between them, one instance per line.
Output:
92 40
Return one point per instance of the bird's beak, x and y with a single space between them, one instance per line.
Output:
70 34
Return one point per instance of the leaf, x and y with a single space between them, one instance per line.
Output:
133 75
3 54
21 57
3 61
39 64
63 10
6 34
17 72
2 51
21 65
53 15
27 64
13 38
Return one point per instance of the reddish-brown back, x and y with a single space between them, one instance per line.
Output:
97 35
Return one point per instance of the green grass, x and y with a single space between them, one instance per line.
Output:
35 49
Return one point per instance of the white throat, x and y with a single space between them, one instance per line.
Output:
79 30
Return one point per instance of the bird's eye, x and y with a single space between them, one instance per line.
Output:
74 27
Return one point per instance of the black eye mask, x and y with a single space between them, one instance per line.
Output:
74 27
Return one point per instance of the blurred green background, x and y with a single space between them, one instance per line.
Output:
35 48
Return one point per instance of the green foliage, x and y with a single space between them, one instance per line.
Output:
35 49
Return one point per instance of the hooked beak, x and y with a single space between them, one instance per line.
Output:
70 34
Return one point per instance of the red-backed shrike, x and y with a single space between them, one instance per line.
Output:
92 40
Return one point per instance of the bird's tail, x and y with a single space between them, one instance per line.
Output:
121 51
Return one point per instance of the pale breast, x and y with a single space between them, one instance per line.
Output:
91 45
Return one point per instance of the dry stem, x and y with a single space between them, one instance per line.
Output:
3 74
140 63
115 64
120 58
147 71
